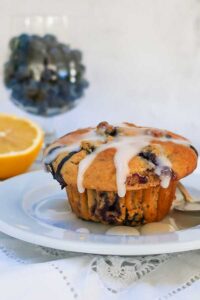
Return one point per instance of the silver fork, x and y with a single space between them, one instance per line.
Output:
188 203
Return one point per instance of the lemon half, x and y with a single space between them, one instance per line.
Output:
20 143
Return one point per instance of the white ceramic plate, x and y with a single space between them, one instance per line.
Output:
35 210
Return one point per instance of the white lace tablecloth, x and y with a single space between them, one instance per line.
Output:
30 272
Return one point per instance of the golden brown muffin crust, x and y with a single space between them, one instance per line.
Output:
101 173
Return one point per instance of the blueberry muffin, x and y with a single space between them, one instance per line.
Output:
123 175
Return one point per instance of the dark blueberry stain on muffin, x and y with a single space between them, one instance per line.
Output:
128 220
106 128
57 175
111 219
103 195
195 150
150 156
103 205
168 136
165 170
115 206
90 149
93 208
174 175
113 132
109 209
49 166
143 179
134 220
136 178
51 169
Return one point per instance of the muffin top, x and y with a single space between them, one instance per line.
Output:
119 158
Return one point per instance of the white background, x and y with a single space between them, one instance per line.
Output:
142 58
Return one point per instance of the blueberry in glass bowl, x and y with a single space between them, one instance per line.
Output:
45 76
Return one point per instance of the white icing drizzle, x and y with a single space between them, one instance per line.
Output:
122 230
51 156
163 162
127 146
82 230
75 146
83 165
126 149
175 141
156 228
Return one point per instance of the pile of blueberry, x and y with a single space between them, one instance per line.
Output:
45 76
